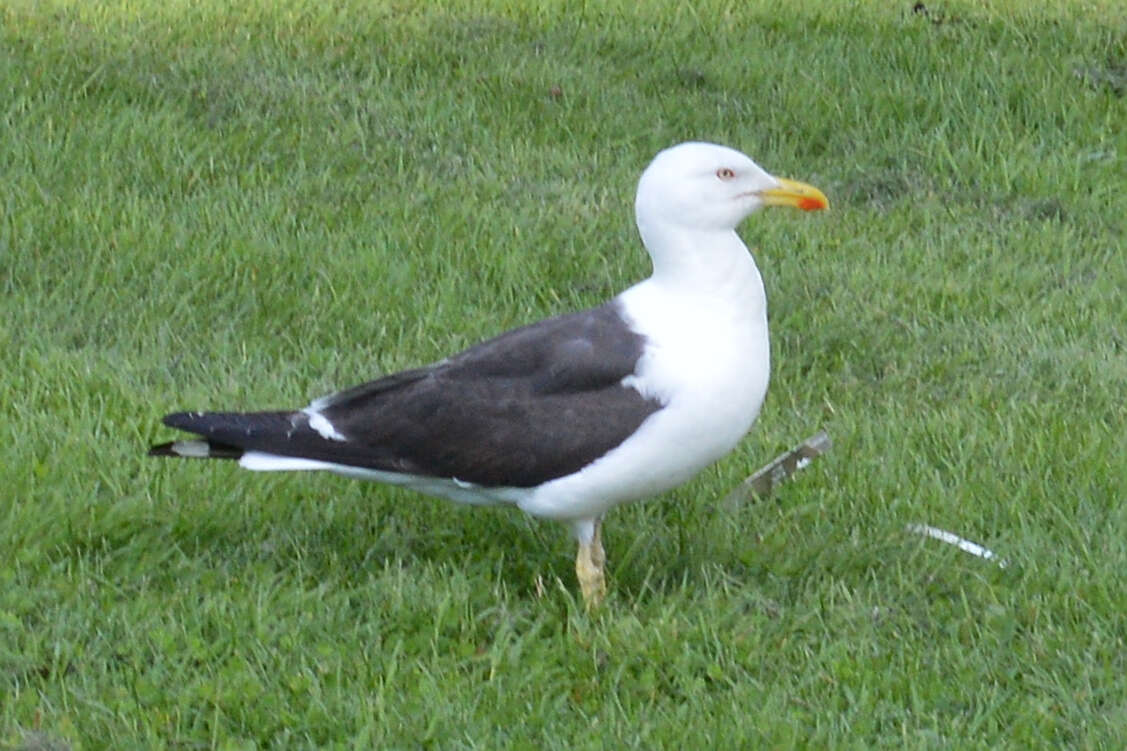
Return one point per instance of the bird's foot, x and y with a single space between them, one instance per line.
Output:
590 569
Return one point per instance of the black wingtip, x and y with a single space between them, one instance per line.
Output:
224 435
181 420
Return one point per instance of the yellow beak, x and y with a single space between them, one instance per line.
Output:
794 193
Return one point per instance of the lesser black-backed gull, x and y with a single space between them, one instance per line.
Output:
571 416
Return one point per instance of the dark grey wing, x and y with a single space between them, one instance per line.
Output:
531 405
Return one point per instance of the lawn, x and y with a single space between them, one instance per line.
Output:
242 205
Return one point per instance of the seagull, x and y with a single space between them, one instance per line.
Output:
571 416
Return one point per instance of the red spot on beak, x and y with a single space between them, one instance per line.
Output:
811 204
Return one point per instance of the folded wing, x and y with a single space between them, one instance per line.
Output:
531 405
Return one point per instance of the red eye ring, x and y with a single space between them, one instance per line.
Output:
725 173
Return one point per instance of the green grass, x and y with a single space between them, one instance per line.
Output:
252 205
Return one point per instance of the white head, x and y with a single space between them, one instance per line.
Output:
708 188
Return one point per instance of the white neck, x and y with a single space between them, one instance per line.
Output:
707 263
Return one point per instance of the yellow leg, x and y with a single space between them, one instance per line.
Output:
590 564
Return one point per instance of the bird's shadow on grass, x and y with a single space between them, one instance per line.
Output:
341 531
362 529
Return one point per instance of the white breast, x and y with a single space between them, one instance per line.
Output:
707 359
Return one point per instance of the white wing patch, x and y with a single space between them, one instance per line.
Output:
321 424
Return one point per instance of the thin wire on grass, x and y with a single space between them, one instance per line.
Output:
960 542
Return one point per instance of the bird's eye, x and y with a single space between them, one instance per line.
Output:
725 173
